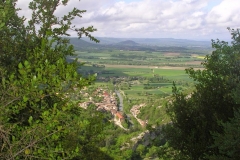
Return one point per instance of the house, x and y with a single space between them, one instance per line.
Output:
119 116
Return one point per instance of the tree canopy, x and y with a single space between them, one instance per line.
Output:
37 117
209 110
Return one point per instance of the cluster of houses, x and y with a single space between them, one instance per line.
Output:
108 104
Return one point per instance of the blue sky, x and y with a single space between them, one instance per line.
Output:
184 19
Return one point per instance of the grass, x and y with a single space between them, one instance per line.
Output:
169 72
167 90
138 91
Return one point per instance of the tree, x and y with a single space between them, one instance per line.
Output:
37 118
228 141
195 119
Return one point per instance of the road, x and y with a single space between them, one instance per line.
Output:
120 106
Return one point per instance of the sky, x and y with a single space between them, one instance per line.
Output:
180 19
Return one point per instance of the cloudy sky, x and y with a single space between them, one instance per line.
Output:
184 19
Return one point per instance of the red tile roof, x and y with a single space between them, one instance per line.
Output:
118 114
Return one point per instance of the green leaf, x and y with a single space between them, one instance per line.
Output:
77 150
2 25
46 113
25 99
30 120
4 82
67 75
11 77
64 108
26 64
13 138
20 66
59 128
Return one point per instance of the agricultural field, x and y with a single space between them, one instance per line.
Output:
141 58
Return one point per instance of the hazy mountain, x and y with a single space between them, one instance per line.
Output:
155 41
127 43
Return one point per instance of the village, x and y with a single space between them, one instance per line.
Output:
109 103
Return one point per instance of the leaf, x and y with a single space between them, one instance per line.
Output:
22 72
1 25
46 113
11 76
75 74
27 151
4 82
34 77
77 150
20 66
30 120
67 75
13 138
26 64
25 99
64 108
59 128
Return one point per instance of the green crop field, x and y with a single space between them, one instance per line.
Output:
119 57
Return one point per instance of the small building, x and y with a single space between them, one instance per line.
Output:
119 116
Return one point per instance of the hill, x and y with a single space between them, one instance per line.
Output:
127 43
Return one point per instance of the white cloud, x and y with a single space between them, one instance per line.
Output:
226 13
198 14
156 18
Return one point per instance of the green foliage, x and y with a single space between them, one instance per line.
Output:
37 117
228 141
166 152
195 117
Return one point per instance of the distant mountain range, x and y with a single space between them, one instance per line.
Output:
143 44
154 41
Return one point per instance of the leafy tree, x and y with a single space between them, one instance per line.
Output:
194 119
38 120
228 141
